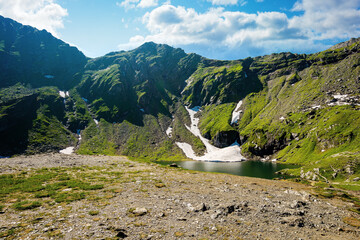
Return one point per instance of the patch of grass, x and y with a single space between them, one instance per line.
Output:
179 234
352 221
351 187
7 233
46 183
325 193
25 205
10 183
93 212
69 197
42 194
215 119
355 210
77 184
160 185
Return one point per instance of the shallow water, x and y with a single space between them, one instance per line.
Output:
256 169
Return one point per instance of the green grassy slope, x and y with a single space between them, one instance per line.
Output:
36 58
296 118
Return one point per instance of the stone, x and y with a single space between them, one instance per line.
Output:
297 204
121 234
293 221
349 170
140 211
174 165
201 208
356 179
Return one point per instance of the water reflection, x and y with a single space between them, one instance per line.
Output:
248 168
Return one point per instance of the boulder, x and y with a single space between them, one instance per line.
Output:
140 211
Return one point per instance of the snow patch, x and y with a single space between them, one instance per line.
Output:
341 100
96 122
68 150
169 131
62 94
236 113
228 154
340 97
281 118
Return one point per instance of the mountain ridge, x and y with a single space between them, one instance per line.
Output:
296 108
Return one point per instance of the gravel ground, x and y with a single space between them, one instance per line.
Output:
148 201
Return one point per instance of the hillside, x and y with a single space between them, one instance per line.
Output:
295 108
36 58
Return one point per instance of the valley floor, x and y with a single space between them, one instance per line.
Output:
101 197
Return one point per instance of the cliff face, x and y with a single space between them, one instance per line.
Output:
296 108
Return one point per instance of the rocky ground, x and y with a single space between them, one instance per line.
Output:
147 201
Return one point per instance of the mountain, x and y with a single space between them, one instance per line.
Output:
35 57
295 108
31 116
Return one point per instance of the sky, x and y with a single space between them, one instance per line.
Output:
219 29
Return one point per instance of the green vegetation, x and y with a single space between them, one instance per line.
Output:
147 141
93 212
223 83
215 119
58 184
284 121
77 113
17 91
25 205
31 55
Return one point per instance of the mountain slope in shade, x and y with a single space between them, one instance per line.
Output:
35 57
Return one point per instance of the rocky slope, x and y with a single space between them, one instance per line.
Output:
59 196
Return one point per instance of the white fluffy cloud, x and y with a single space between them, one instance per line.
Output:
42 14
231 33
325 19
223 2
133 43
216 27
148 3
128 4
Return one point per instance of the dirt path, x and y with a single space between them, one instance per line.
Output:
148 201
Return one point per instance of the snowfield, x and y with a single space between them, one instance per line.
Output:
228 154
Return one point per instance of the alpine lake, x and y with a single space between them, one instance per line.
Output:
257 169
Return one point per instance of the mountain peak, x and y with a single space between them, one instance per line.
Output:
345 44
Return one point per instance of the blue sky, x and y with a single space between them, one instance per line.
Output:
221 29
